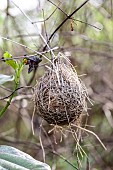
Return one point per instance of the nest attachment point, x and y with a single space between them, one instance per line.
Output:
60 96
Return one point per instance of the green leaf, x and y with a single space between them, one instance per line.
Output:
12 158
5 78
11 62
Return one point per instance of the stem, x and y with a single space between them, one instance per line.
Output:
62 23
8 102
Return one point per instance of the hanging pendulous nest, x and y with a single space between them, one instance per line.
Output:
60 96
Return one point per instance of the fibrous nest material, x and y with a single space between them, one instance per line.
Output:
60 96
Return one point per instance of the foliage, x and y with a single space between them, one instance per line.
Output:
87 39
5 78
18 67
12 158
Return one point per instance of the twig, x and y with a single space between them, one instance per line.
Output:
35 25
14 92
21 57
41 144
71 17
45 26
43 39
92 134
8 102
5 88
68 17
38 53
32 120
46 18
65 160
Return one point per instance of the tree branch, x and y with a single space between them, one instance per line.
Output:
68 17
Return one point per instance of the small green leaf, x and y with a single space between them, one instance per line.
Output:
5 78
12 158
11 62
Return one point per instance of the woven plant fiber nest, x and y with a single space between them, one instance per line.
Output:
60 96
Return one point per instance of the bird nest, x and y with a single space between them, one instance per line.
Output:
60 95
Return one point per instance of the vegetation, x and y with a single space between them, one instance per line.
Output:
83 32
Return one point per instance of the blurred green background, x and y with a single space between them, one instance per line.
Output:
90 49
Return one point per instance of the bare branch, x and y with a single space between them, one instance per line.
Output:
62 23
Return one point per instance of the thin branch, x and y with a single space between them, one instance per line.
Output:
57 7
46 18
8 102
87 24
38 53
21 11
71 17
92 134
65 160
3 87
21 57
41 144
14 92
62 23
45 25
35 26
